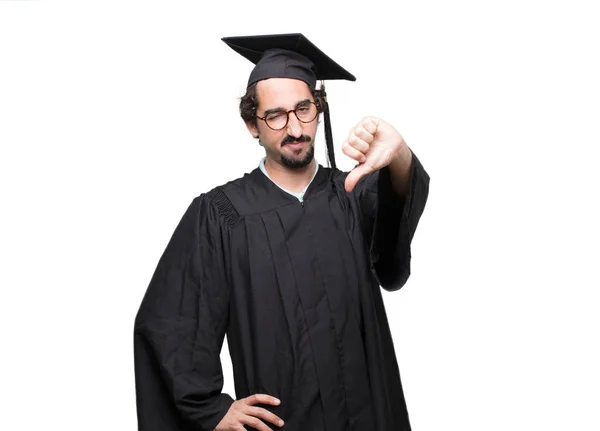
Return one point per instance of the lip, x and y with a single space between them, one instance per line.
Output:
294 144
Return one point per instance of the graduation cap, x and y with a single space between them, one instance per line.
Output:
290 56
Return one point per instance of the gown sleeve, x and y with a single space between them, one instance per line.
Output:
390 221
179 329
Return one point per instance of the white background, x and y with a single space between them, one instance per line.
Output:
114 115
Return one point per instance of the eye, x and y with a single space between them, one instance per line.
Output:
274 116
304 108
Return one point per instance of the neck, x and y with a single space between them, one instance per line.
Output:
294 180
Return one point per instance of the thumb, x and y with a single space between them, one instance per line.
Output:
355 175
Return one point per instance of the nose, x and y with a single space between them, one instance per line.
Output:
294 127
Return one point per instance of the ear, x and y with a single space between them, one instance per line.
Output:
252 129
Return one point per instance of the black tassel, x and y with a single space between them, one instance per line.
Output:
328 134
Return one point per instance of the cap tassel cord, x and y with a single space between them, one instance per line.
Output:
328 133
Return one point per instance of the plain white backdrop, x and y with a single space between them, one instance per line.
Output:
115 115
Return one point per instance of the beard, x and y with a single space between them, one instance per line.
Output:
299 163
295 163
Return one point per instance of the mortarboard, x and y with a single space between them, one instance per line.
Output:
290 56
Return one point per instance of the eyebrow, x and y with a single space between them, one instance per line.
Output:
279 109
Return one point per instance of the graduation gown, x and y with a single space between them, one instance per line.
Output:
295 286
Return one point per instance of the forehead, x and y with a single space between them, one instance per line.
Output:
281 92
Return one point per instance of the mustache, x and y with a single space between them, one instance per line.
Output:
288 139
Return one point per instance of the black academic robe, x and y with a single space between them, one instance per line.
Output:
296 288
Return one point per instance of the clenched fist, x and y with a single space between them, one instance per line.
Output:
373 143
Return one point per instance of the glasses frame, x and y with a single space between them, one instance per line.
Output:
287 117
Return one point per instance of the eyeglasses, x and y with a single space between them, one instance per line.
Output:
278 120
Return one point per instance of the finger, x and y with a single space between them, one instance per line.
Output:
355 175
353 153
265 414
371 124
358 143
363 133
255 423
262 399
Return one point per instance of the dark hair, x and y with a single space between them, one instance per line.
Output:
249 103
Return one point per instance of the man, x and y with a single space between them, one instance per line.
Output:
288 262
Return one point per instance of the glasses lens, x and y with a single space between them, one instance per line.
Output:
307 113
276 120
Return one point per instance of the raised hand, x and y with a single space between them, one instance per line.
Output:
373 143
